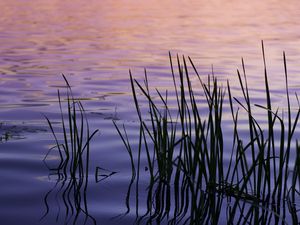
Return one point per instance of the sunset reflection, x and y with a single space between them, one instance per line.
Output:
94 44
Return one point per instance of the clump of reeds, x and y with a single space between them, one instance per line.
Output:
74 150
74 154
188 178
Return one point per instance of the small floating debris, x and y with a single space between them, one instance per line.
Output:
16 131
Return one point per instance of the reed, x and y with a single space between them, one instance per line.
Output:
73 148
188 178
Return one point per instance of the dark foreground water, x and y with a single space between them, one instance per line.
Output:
94 44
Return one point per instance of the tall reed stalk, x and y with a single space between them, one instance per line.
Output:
73 148
189 179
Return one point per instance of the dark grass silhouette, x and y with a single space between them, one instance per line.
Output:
189 182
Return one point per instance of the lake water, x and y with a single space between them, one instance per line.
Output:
94 44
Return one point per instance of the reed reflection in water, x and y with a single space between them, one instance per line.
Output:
70 201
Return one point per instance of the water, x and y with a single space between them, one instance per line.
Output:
95 44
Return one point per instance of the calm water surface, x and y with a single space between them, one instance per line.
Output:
94 44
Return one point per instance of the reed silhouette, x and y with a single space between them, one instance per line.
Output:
189 181
72 172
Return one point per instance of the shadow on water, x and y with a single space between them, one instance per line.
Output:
188 179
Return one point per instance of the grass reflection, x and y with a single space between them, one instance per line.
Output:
70 197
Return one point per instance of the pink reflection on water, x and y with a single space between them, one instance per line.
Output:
101 40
